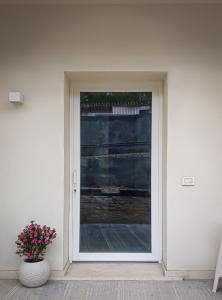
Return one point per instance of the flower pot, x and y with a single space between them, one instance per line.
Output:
33 274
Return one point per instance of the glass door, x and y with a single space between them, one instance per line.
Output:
114 186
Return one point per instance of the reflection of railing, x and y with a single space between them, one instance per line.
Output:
118 155
128 144
116 190
119 188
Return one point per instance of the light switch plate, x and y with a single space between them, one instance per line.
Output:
188 181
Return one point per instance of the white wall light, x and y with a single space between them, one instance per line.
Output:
15 97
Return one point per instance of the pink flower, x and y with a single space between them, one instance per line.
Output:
36 235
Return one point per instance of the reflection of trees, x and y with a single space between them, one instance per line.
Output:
105 101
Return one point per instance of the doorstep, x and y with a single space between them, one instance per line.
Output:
115 271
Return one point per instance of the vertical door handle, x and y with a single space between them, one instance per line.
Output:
74 181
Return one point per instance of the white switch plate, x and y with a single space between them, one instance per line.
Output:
188 181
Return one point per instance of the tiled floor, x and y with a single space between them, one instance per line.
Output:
110 290
115 238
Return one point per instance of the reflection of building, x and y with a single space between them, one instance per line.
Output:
114 110
123 110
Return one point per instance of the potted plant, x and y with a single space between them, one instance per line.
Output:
32 243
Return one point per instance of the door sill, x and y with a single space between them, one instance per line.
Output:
115 271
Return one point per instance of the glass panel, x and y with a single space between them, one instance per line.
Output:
115 200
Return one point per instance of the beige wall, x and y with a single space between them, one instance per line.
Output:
38 44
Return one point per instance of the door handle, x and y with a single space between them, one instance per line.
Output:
74 181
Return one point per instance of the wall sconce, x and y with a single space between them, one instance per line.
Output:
15 97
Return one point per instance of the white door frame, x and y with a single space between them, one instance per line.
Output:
156 169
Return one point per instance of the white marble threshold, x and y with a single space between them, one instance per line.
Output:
116 271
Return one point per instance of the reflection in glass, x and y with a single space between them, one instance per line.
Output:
115 200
